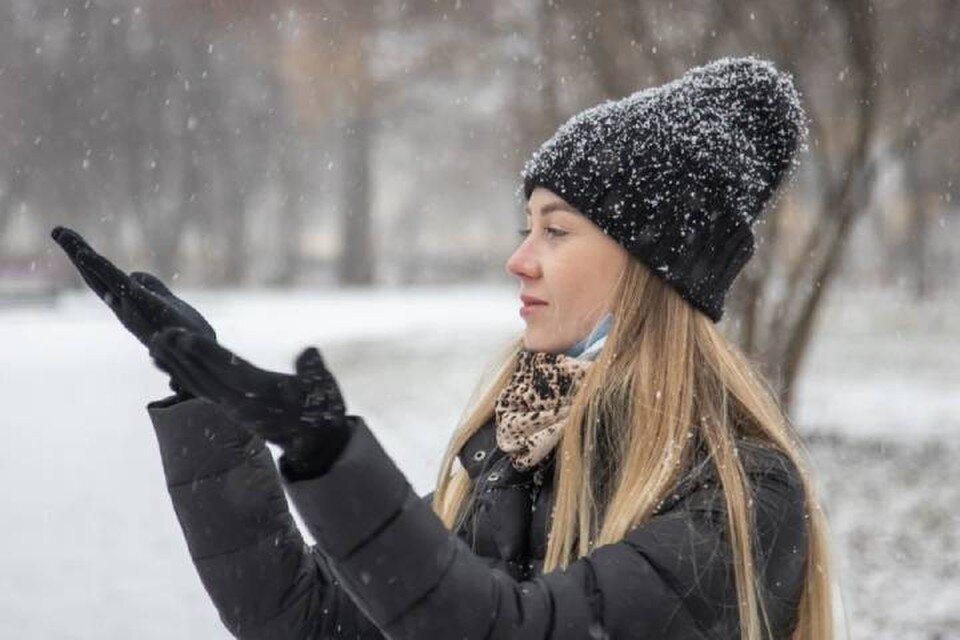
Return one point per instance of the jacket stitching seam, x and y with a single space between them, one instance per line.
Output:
296 600
426 594
283 531
247 457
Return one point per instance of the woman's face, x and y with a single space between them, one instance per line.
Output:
569 263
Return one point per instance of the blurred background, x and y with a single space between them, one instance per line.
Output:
345 173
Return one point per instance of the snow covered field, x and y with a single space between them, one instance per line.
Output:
91 548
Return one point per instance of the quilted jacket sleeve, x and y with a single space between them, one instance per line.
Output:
265 581
669 578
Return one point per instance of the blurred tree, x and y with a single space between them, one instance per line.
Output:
119 120
919 107
337 79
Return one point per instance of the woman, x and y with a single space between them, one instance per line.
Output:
625 474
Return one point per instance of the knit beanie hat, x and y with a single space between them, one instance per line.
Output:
679 174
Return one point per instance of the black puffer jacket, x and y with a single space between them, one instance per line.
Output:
384 565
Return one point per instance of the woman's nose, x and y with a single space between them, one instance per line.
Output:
523 262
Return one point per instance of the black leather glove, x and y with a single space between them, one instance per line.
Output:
304 413
142 303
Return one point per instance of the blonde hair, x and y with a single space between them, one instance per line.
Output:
665 378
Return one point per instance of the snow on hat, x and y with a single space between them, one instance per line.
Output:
678 174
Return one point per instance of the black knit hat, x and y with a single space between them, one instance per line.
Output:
678 174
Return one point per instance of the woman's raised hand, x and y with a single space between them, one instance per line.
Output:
303 412
142 303
272 403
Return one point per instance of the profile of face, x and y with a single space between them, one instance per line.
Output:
566 261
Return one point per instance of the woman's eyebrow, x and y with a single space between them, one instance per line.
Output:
551 207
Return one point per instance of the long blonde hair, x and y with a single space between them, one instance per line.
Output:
665 378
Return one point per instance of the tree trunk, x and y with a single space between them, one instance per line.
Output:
356 259
292 165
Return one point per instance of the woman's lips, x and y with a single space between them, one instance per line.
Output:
527 309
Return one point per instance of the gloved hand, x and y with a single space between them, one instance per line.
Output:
304 413
142 303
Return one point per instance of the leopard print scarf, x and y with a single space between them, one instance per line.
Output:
532 409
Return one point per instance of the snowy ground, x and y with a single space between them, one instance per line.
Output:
90 547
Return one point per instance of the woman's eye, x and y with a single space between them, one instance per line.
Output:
555 232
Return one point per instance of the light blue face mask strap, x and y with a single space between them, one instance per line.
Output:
575 350
602 328
598 332
600 337
590 353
